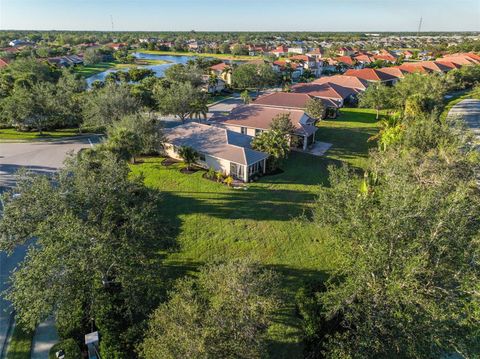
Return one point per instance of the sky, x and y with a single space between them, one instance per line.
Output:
241 15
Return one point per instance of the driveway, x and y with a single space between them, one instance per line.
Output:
40 157
469 110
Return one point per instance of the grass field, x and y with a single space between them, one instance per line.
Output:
90 70
11 134
219 56
269 221
20 344
349 134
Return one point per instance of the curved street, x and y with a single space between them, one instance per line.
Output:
41 157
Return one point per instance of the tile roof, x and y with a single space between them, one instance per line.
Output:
4 62
219 67
393 71
344 80
325 90
259 116
290 100
370 75
215 141
345 59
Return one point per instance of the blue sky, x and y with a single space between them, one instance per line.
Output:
238 15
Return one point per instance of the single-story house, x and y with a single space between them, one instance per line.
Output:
222 71
297 101
328 90
218 148
344 81
373 75
254 119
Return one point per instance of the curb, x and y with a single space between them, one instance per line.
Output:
6 342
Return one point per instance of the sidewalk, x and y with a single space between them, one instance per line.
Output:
44 338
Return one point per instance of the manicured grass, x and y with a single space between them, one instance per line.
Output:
20 344
269 221
349 134
263 222
219 56
90 70
11 134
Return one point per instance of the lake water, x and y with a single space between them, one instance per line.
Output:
158 69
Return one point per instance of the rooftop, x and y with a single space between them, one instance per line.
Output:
215 141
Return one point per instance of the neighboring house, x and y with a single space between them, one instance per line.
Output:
4 62
373 75
308 63
408 55
280 51
297 101
296 50
66 61
254 119
213 86
344 81
16 43
346 60
317 53
218 148
364 59
394 71
346 51
284 66
330 91
222 71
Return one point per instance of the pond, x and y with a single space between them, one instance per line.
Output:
157 69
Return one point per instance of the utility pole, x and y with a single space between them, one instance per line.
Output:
419 26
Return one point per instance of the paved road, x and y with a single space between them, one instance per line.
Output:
469 110
40 157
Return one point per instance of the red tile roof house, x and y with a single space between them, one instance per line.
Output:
394 71
373 75
364 59
297 101
345 81
4 62
329 91
254 119
218 148
221 71
280 51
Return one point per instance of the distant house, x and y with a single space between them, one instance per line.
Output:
317 53
16 43
211 86
394 71
296 50
407 54
373 75
329 91
254 119
346 51
364 59
218 148
344 81
4 62
66 61
221 71
345 60
297 101
280 51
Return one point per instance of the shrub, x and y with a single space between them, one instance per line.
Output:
219 176
228 181
211 174
69 346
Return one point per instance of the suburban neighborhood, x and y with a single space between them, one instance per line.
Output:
178 193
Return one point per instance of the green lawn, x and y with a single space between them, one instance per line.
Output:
11 134
263 222
269 221
90 70
349 134
20 344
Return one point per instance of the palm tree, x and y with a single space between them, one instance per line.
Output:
188 155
